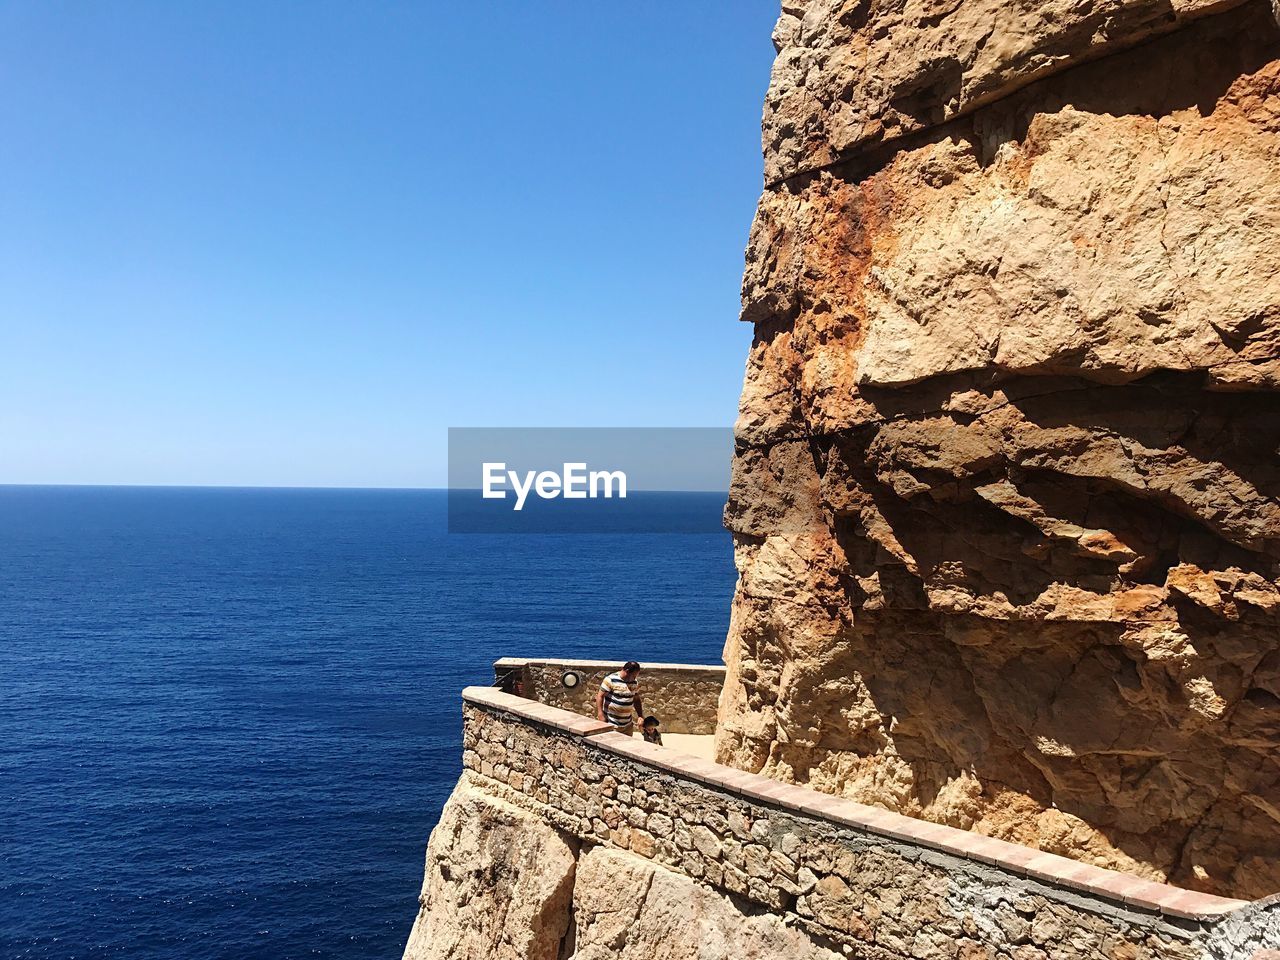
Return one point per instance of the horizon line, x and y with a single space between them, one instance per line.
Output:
275 486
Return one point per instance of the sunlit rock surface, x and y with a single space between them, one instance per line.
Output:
627 908
852 74
502 884
1005 487
499 884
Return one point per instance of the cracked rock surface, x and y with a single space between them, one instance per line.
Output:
499 884
855 73
1005 487
627 908
503 884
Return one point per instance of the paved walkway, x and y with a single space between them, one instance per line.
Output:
698 744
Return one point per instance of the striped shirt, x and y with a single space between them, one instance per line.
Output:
618 697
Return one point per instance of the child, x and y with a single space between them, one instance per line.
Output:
649 730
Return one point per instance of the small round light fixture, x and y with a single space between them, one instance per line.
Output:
570 679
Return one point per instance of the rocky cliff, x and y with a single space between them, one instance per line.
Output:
1005 509
565 839
1005 484
502 884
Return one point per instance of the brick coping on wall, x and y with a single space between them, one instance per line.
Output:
1111 885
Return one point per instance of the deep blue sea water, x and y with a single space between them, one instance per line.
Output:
229 718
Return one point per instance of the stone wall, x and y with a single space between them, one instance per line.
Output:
684 697
852 879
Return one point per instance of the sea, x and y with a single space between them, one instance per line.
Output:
229 718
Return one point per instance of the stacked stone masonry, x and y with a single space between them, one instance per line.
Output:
866 882
683 696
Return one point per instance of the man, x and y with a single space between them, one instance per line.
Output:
618 702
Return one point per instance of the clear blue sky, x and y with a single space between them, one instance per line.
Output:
291 243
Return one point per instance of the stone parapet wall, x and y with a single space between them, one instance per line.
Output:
884 886
683 696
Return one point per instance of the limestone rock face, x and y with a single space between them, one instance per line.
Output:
1005 488
851 73
627 908
502 884
499 884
